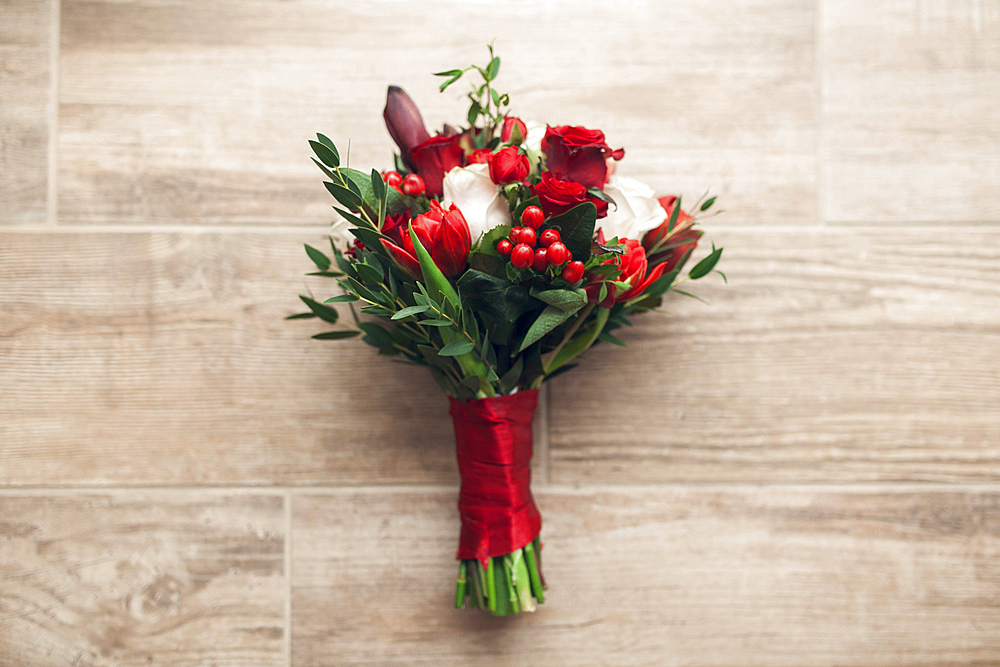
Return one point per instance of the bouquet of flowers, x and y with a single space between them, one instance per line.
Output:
495 255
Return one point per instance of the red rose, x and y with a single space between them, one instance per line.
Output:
557 196
507 165
394 225
578 154
436 157
667 251
507 131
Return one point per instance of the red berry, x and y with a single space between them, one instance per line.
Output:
515 235
532 217
393 179
558 253
528 236
541 261
504 247
573 272
413 185
548 237
522 256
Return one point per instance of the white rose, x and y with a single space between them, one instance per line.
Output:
638 210
477 197
533 140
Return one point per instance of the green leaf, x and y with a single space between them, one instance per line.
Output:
323 139
493 68
410 310
608 338
495 95
361 183
474 110
345 196
436 323
336 335
326 274
708 204
343 298
376 336
497 301
378 189
439 286
451 72
301 316
549 319
326 154
673 217
323 312
369 274
563 298
705 266
321 261
509 379
576 229
456 348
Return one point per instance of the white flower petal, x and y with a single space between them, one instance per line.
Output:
638 209
477 197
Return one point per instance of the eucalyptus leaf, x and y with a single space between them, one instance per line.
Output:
336 335
327 156
323 312
321 261
409 311
705 266
456 348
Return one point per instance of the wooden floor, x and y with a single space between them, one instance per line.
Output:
805 472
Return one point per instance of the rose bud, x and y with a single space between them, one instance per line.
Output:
541 261
548 237
558 253
508 166
405 124
557 196
413 185
513 131
443 233
533 217
522 256
573 272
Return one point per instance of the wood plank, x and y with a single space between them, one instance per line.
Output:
188 112
911 102
666 576
142 578
833 355
24 109
139 358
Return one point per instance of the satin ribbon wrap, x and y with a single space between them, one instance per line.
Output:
493 443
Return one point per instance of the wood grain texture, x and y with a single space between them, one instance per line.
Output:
140 578
164 359
644 576
832 355
24 109
188 112
911 101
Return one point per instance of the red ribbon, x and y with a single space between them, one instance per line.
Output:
493 443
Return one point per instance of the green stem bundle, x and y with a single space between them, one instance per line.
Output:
509 584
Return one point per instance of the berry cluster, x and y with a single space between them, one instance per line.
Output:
551 251
411 186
